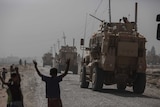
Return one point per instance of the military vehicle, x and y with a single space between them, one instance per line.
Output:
47 59
64 53
116 55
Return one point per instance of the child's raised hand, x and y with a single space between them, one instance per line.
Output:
34 62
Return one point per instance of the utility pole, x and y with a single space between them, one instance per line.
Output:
84 36
54 48
51 50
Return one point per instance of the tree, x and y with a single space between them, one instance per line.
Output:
151 57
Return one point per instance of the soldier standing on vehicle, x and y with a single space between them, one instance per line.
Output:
52 85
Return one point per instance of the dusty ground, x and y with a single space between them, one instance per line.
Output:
153 77
26 73
3 95
34 91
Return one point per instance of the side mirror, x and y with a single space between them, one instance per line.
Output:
82 42
158 18
158 27
158 32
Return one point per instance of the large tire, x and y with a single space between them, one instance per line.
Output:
97 79
140 83
84 83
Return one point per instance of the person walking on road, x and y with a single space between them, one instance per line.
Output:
12 69
15 96
4 71
52 85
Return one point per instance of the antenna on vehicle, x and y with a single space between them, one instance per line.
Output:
58 44
51 49
136 8
73 41
109 11
64 37
54 48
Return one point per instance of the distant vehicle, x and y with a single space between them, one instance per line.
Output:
116 55
64 53
47 59
158 27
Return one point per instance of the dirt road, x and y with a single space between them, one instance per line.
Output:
74 96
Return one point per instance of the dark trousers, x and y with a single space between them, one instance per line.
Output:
4 80
54 102
8 105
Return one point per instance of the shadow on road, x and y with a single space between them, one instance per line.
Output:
125 93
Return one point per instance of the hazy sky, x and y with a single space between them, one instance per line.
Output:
31 27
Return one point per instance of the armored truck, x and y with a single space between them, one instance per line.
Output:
65 53
47 59
116 55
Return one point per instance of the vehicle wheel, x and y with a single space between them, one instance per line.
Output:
97 79
84 83
140 83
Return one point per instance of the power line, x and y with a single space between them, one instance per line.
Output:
98 6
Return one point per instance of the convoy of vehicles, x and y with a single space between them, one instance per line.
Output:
116 55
